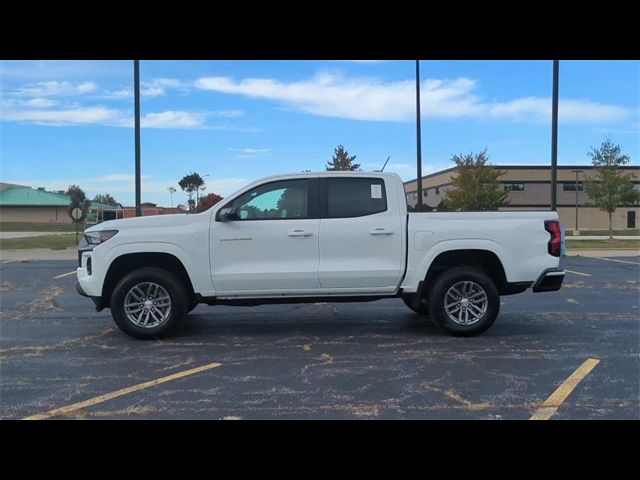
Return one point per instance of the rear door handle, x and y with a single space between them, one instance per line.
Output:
300 233
381 231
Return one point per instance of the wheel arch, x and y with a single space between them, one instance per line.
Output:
128 262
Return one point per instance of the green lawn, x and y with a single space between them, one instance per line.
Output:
569 233
39 227
54 242
589 244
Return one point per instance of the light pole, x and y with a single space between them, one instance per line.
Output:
419 139
136 101
554 135
577 184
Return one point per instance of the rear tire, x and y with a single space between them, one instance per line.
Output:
464 301
148 303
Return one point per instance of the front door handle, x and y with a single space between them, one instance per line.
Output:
300 233
381 231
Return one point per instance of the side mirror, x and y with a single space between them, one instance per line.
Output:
228 214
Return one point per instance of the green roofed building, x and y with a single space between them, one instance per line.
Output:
19 203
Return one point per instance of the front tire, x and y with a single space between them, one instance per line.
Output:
464 301
148 303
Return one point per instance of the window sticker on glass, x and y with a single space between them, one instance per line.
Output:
376 191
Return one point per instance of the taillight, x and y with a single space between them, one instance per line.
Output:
554 245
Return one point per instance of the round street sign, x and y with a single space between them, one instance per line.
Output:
76 214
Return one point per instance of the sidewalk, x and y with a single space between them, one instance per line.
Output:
7 235
601 252
603 237
39 254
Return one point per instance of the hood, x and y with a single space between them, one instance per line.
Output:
151 221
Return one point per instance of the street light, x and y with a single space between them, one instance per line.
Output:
577 184
418 140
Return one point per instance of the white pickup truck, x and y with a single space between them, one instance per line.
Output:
309 237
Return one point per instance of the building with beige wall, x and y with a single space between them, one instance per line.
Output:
529 188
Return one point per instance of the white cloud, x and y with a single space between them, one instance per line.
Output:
55 88
251 151
40 103
154 88
569 111
228 113
172 119
71 116
333 95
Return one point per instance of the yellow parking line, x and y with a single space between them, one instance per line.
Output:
551 404
578 273
65 274
118 393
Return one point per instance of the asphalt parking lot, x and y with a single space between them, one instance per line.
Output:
324 361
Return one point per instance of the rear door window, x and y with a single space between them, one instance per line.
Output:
354 197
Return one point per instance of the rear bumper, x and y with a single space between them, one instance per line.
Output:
549 281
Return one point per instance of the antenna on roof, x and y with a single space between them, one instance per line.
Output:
385 164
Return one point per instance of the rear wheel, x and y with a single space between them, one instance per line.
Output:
148 303
464 301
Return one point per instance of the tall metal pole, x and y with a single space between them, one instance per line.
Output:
554 136
419 139
136 90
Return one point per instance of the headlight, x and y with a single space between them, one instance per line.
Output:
101 236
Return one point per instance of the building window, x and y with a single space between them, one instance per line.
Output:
424 192
437 190
571 186
514 187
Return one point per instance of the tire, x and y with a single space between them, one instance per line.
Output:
421 308
166 290
472 317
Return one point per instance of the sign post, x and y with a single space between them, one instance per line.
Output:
76 214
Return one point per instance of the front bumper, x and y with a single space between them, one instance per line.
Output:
549 281
97 301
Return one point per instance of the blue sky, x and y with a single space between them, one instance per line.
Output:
66 122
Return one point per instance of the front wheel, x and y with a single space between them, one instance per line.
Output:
464 301
148 303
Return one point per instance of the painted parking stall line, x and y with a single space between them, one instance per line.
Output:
65 274
8 261
119 393
620 261
578 273
553 403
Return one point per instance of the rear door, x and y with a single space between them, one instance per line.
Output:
361 235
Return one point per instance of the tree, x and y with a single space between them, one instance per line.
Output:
106 199
171 191
191 183
475 186
78 198
610 187
208 201
342 161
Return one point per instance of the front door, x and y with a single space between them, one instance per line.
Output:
272 246
361 235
